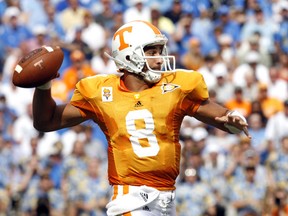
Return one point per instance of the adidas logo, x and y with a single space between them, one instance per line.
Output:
146 208
138 104
144 196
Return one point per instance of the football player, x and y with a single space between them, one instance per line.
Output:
140 113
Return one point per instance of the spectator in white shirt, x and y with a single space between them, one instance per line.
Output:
224 88
252 66
93 34
102 64
277 85
137 11
277 127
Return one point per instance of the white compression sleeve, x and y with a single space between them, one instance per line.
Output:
232 128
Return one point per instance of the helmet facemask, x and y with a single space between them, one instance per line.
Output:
168 65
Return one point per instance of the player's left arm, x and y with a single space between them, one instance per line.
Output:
218 116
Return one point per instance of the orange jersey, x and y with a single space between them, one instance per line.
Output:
142 128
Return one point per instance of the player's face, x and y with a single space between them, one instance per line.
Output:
154 63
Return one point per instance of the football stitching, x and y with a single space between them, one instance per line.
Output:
30 55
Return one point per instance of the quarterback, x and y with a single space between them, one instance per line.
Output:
140 113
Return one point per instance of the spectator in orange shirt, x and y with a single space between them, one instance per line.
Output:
193 59
60 91
239 103
79 69
270 105
280 202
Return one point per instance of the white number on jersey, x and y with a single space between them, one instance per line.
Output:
147 133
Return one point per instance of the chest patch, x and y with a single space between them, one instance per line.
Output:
168 87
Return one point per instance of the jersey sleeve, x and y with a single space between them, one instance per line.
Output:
86 92
195 88
200 90
80 102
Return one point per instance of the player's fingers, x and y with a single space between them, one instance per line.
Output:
221 119
245 129
231 119
237 120
57 75
244 123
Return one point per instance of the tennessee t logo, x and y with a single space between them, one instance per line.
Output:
120 33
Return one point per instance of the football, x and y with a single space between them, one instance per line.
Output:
38 67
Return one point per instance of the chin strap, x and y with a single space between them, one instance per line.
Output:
151 77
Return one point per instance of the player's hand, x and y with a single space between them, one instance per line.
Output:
48 84
234 121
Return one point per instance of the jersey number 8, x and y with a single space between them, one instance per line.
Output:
145 133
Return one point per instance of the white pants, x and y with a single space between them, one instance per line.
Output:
141 201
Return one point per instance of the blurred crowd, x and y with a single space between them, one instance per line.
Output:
239 46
